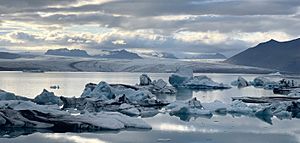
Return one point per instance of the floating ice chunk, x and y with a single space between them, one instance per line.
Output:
186 110
283 115
265 83
102 91
240 107
275 74
196 82
148 112
28 114
240 82
178 80
47 98
265 114
159 84
294 92
7 95
28 105
216 106
129 110
156 87
203 82
145 80
260 81
11 96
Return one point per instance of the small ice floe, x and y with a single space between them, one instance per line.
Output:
240 82
183 79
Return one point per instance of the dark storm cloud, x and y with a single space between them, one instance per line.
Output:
12 6
142 8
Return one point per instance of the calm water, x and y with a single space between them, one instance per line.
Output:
165 128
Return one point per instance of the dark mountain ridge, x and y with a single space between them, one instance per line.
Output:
282 56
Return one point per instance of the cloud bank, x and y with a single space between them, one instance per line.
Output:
201 26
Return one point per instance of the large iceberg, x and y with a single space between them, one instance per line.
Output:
103 91
26 114
186 80
126 99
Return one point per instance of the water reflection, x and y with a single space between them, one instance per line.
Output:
184 128
17 132
73 138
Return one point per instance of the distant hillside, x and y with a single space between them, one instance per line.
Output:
207 56
6 55
67 52
283 56
119 54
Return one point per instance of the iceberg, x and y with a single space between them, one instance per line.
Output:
126 99
197 82
103 91
239 107
187 109
240 82
185 79
145 80
26 114
4 95
156 86
47 98
294 92
264 82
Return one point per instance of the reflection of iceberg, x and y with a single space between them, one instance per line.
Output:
184 94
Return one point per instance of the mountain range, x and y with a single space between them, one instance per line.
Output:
282 56
115 54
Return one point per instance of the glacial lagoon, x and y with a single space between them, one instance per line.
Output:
165 128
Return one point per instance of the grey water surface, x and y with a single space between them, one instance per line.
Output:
216 129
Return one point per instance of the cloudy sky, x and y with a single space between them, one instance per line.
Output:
190 26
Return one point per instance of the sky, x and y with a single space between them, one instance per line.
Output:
175 26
